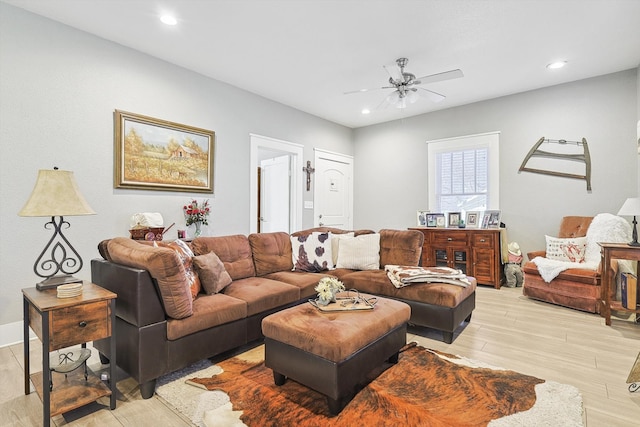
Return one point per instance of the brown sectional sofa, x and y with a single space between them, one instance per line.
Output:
151 343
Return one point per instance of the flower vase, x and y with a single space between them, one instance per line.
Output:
198 230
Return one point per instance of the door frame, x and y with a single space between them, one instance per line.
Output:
334 157
259 142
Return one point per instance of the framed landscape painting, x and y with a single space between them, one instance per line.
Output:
154 154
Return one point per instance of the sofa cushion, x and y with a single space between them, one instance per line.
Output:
335 244
580 275
271 252
568 249
312 252
213 277
360 253
262 294
441 294
234 251
164 266
400 247
208 311
304 281
186 256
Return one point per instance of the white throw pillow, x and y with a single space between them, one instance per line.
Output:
360 253
568 250
312 253
335 244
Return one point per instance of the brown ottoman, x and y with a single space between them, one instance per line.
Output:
332 352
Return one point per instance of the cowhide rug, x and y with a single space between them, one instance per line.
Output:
425 388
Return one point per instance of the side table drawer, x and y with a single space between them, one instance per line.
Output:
81 323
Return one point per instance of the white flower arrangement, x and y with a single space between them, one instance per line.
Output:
327 288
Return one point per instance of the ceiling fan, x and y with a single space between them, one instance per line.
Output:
405 85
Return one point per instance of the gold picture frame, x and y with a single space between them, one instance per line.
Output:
155 154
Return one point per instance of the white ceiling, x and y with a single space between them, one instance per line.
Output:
307 53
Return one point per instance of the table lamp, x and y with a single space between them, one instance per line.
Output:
56 194
631 207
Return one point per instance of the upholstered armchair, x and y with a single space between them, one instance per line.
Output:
576 285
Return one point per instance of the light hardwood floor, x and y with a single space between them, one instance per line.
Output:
507 330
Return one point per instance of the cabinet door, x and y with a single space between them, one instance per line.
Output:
451 257
484 266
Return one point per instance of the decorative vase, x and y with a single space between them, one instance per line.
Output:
198 230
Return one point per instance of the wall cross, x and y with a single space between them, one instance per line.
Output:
309 170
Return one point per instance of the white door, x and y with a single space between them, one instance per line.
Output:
333 195
274 194
263 147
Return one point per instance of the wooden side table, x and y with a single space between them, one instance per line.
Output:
65 322
610 251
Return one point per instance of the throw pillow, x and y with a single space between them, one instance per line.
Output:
335 244
213 277
568 250
360 253
186 256
312 253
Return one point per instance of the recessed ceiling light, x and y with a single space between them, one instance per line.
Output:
168 19
556 65
366 111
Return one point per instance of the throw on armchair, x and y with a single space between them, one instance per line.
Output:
574 283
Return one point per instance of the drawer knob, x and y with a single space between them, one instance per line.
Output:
482 240
449 239
82 324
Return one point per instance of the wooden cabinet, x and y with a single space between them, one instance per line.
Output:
60 323
474 251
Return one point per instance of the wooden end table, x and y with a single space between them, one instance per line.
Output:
65 322
610 251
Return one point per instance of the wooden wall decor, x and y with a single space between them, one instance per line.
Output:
583 157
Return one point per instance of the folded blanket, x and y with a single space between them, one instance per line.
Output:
401 275
606 228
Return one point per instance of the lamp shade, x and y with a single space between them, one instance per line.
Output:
56 193
631 207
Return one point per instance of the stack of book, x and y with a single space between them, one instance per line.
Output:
629 291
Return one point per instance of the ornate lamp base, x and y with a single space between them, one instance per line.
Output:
55 281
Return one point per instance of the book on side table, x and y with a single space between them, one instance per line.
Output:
629 290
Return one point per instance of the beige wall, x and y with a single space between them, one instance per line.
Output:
58 90
391 174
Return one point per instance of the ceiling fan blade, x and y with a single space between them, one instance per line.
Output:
433 96
439 77
394 73
367 90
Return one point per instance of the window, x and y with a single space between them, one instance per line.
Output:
464 173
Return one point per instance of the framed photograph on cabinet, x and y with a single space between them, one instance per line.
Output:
491 219
440 220
453 219
154 154
422 218
431 220
472 219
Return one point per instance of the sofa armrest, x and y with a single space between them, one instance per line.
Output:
138 302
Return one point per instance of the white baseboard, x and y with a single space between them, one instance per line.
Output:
11 333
